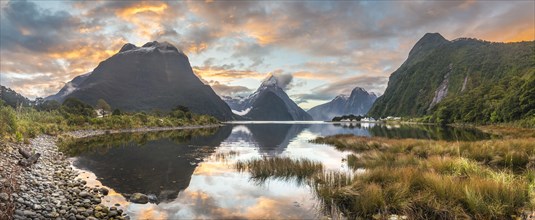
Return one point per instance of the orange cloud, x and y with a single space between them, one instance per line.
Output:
148 18
215 72
196 48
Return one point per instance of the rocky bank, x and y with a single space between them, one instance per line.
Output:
48 189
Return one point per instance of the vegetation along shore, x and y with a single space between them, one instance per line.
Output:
422 179
50 189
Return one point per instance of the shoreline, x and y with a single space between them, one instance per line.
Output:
53 188
90 133
50 188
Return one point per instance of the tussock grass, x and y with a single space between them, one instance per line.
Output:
490 179
419 179
515 154
284 168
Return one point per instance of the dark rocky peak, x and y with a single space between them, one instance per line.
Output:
149 47
162 46
358 90
127 47
428 41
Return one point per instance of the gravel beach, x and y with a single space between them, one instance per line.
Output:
48 189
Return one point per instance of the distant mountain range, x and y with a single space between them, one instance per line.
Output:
154 76
268 103
464 80
357 103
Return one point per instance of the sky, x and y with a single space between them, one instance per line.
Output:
320 49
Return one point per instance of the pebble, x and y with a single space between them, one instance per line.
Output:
49 189
83 194
4 197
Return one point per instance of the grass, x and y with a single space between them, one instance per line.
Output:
284 168
21 124
419 179
517 154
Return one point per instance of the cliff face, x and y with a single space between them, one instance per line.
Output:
459 76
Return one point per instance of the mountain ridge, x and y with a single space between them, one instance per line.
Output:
357 103
464 71
154 76
269 103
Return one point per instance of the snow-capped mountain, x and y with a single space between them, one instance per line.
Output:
358 103
268 102
154 76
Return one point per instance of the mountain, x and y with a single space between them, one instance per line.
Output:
69 87
154 76
268 103
12 98
358 103
464 80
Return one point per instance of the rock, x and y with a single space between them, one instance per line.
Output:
139 198
37 207
97 200
104 191
83 194
153 198
113 213
28 213
54 214
80 209
19 212
4 197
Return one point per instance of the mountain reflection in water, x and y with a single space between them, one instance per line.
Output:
159 163
191 171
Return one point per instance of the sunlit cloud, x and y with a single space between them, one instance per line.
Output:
318 43
146 18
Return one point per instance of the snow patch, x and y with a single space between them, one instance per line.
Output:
241 128
243 112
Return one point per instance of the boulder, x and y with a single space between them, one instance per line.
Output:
139 198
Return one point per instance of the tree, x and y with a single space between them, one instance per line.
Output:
103 107
48 105
116 112
77 107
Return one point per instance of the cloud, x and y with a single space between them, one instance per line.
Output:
25 26
254 51
322 42
228 90
225 71
284 80
344 86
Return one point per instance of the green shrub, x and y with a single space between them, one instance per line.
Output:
8 120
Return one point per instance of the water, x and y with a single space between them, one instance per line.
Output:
191 172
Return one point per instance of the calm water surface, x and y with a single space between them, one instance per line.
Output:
190 173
